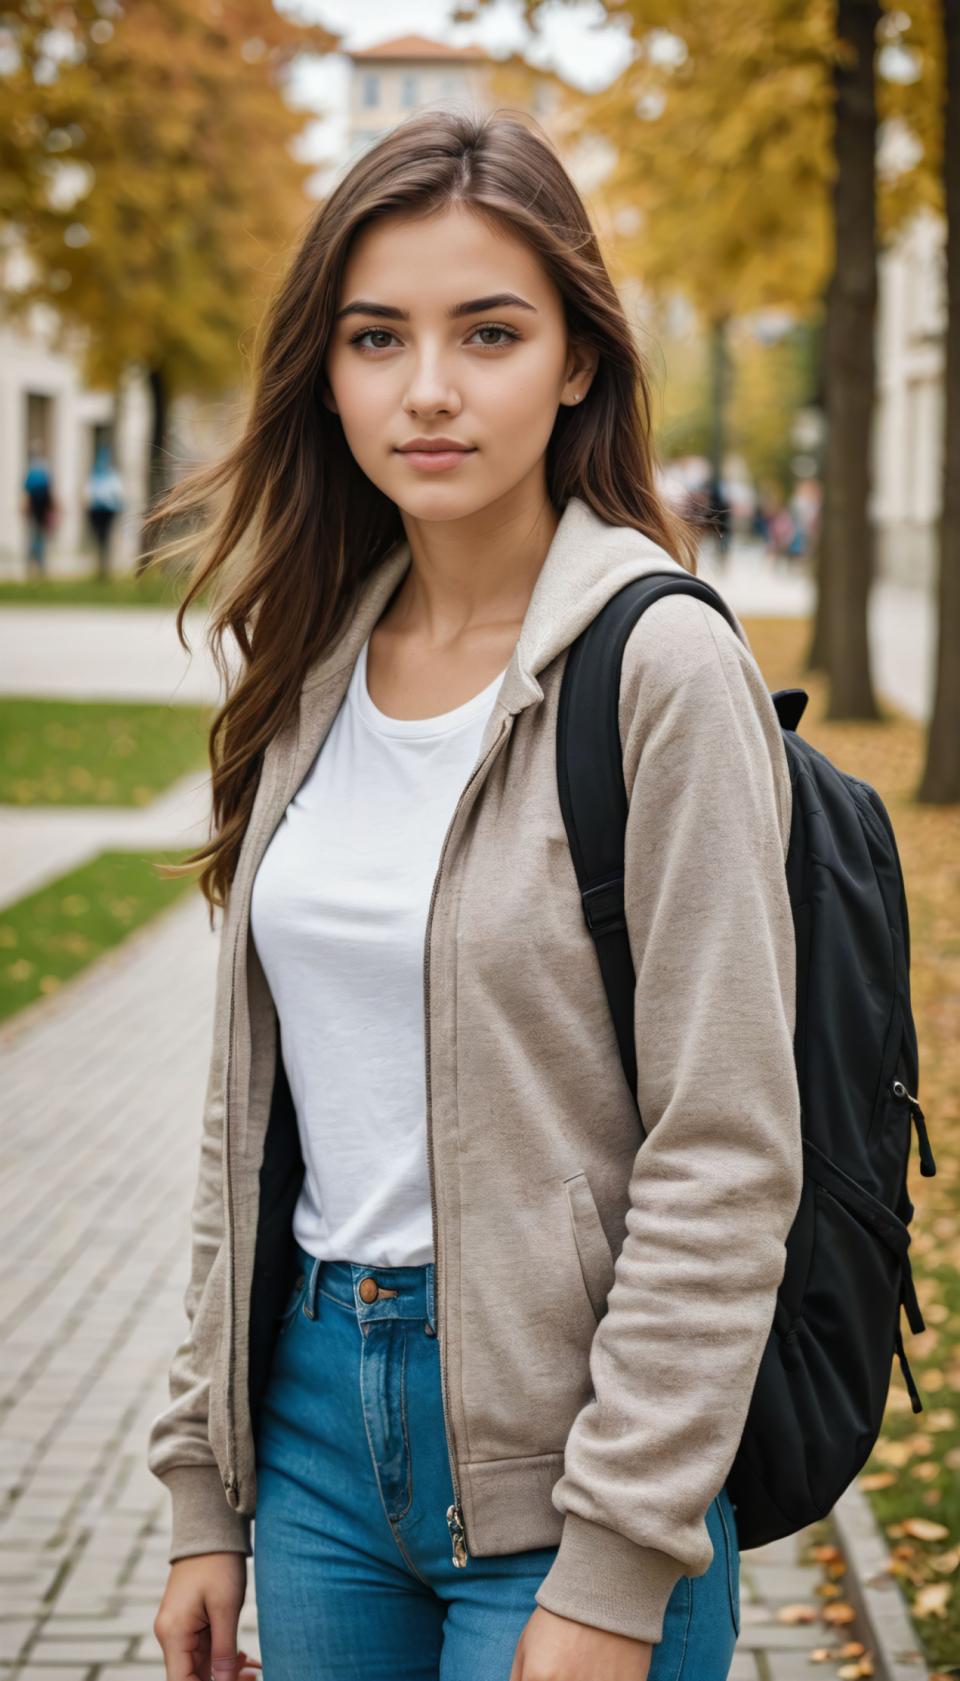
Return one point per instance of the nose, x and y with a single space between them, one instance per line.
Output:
429 392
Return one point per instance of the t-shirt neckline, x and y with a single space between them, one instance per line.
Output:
441 723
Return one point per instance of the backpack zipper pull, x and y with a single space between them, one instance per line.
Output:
928 1166
912 1389
908 1297
455 1526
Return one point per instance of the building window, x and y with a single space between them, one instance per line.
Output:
408 90
39 423
371 88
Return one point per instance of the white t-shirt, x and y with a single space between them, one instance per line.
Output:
338 917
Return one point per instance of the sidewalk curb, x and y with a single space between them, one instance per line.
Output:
875 1594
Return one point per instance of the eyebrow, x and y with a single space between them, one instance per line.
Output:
473 306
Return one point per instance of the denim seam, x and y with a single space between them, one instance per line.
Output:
403 1429
686 1628
348 1307
730 1544
287 1318
376 1476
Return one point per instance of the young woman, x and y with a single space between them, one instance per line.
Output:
476 1361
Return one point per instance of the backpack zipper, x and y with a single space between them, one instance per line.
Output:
928 1166
454 1512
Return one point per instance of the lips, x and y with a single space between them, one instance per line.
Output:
436 446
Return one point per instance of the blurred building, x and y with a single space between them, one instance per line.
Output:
908 426
45 403
393 78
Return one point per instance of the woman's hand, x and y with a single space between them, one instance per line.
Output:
196 1624
553 1648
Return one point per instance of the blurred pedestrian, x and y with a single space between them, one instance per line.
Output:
104 500
781 532
39 507
719 517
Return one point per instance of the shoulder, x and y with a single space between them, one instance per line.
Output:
689 678
677 638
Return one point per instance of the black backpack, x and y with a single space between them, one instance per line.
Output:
822 1384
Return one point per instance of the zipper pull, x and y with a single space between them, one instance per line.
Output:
912 1390
928 1166
455 1526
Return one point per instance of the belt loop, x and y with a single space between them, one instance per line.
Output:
310 1300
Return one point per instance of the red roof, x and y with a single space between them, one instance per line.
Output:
418 46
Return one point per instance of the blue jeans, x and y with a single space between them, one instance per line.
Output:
353 1567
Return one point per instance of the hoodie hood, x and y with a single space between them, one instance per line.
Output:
587 562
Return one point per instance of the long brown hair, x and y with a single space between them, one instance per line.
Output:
308 523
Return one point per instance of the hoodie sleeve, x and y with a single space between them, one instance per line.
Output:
178 1446
716 1184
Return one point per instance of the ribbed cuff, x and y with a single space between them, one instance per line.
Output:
601 1578
203 1521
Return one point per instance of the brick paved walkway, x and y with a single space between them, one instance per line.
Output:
93 1271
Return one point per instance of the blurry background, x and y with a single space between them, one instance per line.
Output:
777 189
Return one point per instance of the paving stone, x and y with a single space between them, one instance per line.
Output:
54 1672
781 1637
744 1667
795 1666
127 1672
80 1648
14 1632
779 1582
128 1620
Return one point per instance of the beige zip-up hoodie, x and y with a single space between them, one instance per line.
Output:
602 1306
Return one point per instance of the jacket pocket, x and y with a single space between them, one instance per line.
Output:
596 1258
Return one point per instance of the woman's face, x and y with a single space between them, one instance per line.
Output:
489 377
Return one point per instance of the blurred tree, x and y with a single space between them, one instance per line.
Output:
146 173
719 135
847 542
771 382
940 782
740 132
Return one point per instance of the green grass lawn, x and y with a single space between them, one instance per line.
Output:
94 753
48 936
154 589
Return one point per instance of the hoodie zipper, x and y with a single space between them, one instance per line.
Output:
454 1512
241 936
230 1483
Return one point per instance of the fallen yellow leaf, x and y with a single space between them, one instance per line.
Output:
925 1529
931 1600
877 1479
792 1614
841 1612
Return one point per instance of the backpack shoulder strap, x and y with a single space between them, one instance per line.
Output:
593 796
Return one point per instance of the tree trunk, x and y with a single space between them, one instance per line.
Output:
850 363
940 783
157 459
719 393
816 659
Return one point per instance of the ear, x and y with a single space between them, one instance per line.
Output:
581 367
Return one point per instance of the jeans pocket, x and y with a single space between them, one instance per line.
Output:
732 1546
294 1299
